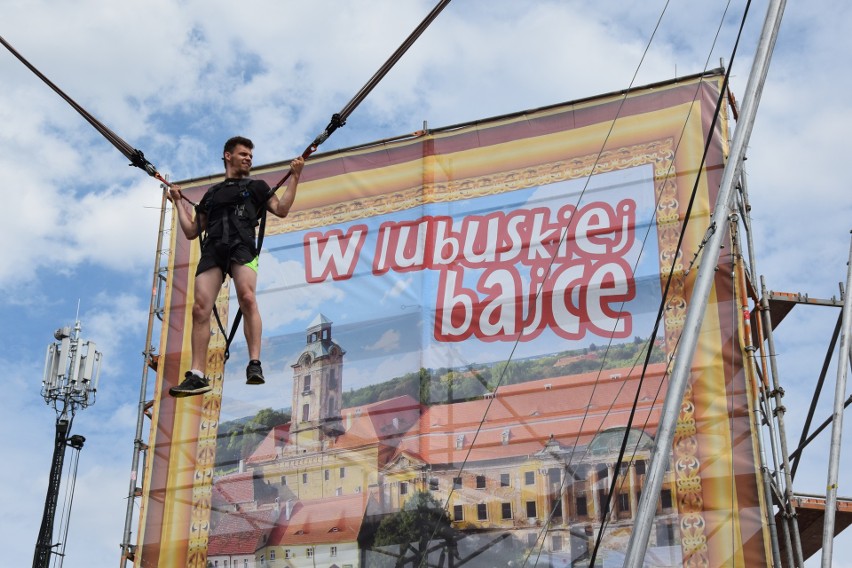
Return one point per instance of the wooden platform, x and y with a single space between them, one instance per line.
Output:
810 514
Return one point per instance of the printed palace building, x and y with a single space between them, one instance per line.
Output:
534 472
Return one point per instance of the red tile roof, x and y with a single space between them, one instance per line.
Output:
384 421
232 489
572 409
240 533
318 521
268 448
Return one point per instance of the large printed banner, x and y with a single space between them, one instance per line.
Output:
458 338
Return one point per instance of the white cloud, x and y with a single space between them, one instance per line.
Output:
380 369
111 323
400 287
387 342
299 301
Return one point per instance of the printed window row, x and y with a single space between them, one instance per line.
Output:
326 475
309 552
481 481
622 505
482 511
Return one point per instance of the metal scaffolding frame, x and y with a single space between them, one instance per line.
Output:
789 548
150 363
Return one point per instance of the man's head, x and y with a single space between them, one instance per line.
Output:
237 155
234 141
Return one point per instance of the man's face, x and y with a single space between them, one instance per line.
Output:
239 161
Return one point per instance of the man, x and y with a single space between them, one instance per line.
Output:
228 214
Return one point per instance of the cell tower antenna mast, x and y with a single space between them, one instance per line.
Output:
71 373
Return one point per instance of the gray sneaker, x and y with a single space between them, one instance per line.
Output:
191 386
254 374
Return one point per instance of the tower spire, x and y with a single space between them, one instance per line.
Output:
317 386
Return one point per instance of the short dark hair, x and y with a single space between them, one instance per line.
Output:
235 141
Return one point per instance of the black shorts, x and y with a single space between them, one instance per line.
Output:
237 252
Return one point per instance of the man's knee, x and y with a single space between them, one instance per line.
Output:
201 310
207 285
247 299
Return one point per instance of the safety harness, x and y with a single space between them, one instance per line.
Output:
241 214
238 212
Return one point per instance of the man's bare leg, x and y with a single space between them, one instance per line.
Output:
207 286
245 282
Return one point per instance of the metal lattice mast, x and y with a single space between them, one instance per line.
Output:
71 372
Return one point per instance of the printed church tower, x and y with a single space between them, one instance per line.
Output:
317 387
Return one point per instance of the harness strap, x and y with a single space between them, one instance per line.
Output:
229 336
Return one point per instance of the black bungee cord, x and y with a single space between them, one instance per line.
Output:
137 158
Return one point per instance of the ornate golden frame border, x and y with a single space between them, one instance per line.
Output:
205 452
659 153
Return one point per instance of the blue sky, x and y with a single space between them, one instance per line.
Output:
176 78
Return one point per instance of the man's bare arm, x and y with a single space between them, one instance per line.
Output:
281 206
185 213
